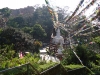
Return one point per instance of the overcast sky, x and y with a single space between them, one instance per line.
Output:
16 4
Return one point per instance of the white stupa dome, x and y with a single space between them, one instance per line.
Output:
58 39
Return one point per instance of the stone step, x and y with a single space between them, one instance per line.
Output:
45 56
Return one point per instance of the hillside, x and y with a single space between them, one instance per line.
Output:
25 12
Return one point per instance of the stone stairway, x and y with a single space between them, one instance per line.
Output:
45 56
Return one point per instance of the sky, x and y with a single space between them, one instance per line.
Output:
16 4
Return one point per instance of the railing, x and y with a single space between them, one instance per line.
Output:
25 69
28 69
52 71
79 71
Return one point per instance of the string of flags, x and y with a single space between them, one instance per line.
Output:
53 14
97 14
85 34
90 4
51 11
83 30
57 24
80 3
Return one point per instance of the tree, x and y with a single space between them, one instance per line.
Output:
97 40
37 44
27 29
38 32
16 22
5 13
20 40
42 16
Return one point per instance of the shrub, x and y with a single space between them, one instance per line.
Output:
37 45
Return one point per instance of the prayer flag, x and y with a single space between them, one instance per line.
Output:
46 1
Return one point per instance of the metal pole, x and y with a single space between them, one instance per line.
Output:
73 50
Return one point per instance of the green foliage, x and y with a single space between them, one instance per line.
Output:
28 24
77 70
7 52
37 44
40 25
70 67
38 31
84 54
19 61
29 58
18 38
5 12
96 69
97 40
89 58
12 23
16 22
45 66
27 30
1 30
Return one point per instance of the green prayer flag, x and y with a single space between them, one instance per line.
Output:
46 1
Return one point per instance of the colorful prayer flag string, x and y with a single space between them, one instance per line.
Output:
90 4
53 14
75 10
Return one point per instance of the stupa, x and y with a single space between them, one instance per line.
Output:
59 41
